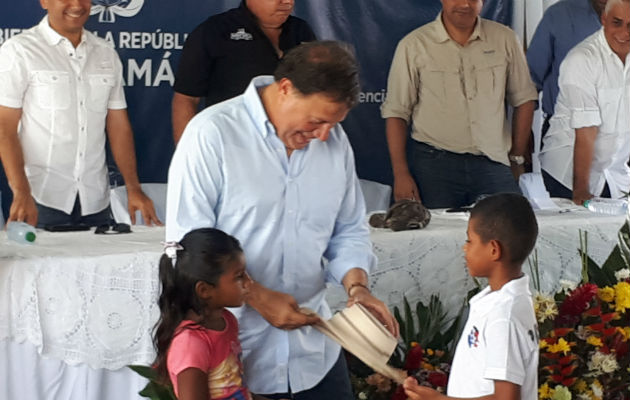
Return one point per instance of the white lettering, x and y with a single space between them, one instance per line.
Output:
134 71
165 72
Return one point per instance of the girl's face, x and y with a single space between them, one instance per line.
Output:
232 285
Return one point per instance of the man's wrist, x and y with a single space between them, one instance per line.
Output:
353 287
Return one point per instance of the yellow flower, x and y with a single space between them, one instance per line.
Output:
427 366
414 344
606 294
562 346
594 341
561 393
580 385
625 332
545 392
622 296
429 352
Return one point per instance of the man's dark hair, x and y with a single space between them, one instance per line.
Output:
509 219
325 67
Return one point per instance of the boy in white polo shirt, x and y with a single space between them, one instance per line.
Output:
497 355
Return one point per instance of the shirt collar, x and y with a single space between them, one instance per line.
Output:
441 34
254 105
513 287
52 36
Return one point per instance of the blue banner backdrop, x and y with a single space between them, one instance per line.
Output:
149 36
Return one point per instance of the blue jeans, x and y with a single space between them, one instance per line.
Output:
335 385
52 216
447 179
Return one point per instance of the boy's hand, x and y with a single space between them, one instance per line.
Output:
414 391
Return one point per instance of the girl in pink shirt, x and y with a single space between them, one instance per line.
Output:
196 337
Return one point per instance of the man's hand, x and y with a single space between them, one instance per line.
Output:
517 171
581 195
279 309
23 208
405 187
137 200
361 295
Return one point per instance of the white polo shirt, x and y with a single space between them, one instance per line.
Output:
64 94
594 91
499 342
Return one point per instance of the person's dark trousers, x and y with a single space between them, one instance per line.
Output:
447 179
51 216
557 189
335 385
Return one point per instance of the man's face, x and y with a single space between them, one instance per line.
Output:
617 29
67 17
598 6
304 118
272 13
462 14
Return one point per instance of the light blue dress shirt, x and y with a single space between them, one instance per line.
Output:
300 219
563 25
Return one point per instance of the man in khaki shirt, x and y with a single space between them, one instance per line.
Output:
451 79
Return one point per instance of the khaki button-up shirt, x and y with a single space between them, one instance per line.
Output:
455 95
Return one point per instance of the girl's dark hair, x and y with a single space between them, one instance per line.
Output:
204 257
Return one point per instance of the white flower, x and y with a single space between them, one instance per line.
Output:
584 396
363 396
622 274
601 363
567 285
545 307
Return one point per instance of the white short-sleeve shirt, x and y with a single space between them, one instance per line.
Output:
499 343
64 93
594 91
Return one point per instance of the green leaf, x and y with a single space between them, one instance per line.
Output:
401 323
144 371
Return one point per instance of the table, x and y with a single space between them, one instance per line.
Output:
75 308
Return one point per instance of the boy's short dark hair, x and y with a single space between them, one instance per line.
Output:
509 219
325 67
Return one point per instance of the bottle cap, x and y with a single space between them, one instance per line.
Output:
586 203
30 236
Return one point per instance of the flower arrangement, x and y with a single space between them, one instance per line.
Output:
425 353
585 330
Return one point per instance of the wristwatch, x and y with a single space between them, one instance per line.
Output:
518 160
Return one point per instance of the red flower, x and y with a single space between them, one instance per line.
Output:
414 358
437 379
399 394
577 302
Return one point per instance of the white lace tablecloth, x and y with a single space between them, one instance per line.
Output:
85 298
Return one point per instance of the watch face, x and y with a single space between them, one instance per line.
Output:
518 160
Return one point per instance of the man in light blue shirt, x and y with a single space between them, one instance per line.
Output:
563 25
274 168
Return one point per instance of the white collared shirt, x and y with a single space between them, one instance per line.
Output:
64 93
594 91
499 343
232 172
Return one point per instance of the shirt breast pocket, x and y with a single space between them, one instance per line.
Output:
52 89
100 90
491 77
440 83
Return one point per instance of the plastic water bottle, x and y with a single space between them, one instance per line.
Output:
21 232
607 206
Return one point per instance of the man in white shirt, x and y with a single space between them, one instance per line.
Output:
587 147
60 89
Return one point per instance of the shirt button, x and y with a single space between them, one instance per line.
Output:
79 78
82 128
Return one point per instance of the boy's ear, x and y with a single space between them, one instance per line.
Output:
496 251
204 290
